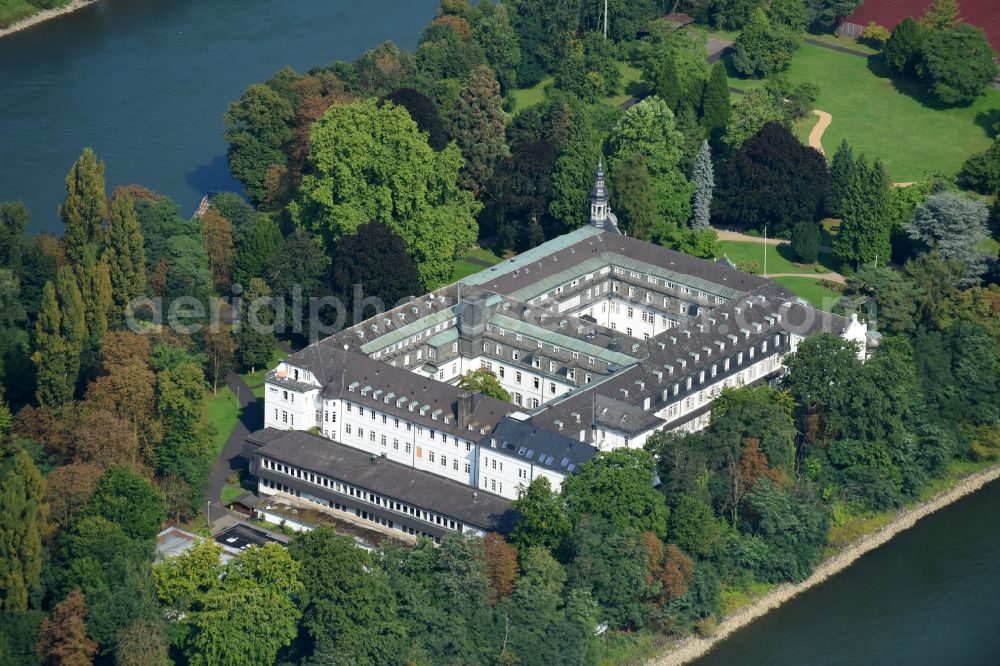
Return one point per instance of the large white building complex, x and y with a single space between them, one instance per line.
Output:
600 339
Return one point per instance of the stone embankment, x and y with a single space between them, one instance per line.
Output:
45 15
689 649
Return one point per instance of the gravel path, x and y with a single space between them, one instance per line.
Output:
693 647
816 135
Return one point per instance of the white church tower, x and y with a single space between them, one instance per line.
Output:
600 210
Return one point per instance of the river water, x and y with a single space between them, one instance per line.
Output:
145 84
930 596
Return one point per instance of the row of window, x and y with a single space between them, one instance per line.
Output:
359 493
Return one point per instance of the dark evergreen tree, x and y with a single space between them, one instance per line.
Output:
255 338
841 174
424 114
775 180
805 241
902 52
518 196
864 235
375 259
477 124
957 64
716 106
631 197
257 252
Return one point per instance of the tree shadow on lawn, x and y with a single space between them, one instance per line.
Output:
906 85
990 122
826 261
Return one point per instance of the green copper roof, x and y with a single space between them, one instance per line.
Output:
560 340
443 338
403 332
530 256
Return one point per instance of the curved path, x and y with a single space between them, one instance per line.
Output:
816 135
832 277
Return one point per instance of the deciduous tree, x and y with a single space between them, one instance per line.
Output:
544 521
751 112
378 166
485 382
424 114
218 234
63 637
348 608
618 487
648 129
773 180
501 565
763 48
257 127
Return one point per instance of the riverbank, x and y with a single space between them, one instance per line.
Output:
44 15
693 647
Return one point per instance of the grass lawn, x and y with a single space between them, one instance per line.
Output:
780 258
811 290
631 86
889 119
525 97
255 380
464 268
222 412
12 11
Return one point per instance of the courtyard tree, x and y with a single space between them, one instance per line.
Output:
485 382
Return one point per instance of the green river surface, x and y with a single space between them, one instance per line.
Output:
145 83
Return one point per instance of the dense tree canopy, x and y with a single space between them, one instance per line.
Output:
374 163
957 64
775 180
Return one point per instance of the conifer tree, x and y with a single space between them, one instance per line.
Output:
255 342
24 511
704 182
85 207
63 635
668 87
56 364
716 106
93 278
864 235
258 249
632 197
942 14
125 256
841 173
478 125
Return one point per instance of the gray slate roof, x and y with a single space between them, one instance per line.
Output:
384 477
545 448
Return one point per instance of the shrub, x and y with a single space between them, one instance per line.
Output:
805 241
707 626
748 265
876 34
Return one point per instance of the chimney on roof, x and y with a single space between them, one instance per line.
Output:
466 407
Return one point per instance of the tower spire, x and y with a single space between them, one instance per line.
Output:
600 209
